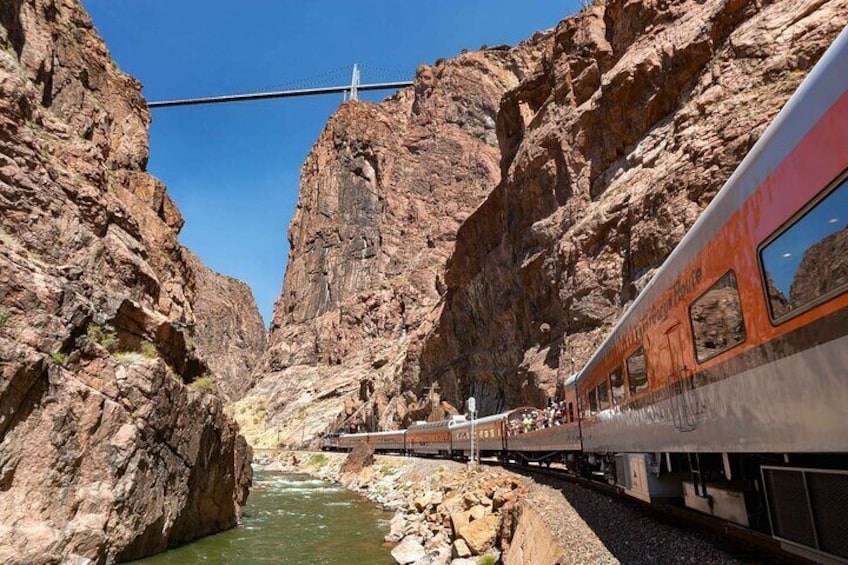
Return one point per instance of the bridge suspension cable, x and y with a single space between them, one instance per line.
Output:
351 91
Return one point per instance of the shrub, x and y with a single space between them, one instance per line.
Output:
58 358
486 560
148 350
4 316
204 384
317 460
107 339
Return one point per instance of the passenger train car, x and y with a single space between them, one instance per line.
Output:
725 383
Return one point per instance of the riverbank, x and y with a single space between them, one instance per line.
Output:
293 519
445 512
448 514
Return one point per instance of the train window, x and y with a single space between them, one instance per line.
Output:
570 411
603 395
716 318
617 385
593 401
808 262
637 372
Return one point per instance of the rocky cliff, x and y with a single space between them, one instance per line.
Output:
420 274
229 333
642 111
107 452
382 196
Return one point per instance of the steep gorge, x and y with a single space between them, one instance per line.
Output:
108 449
421 274
382 196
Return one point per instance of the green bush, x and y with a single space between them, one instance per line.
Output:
317 460
486 560
107 339
204 384
58 358
148 350
4 316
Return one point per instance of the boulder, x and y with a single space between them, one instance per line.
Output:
409 551
360 457
458 520
460 548
477 512
501 498
481 534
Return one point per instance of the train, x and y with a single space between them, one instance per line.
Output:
724 384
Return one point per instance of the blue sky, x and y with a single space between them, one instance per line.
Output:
233 169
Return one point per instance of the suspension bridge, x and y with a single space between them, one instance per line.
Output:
304 87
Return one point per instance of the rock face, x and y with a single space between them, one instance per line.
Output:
229 332
382 196
105 452
614 132
634 120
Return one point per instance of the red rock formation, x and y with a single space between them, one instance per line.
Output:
382 196
229 333
105 453
639 115
615 131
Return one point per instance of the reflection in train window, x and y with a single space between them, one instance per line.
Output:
593 402
637 373
716 317
603 395
617 385
809 261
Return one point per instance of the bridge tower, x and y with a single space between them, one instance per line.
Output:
354 83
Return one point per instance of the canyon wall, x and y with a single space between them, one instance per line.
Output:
421 273
382 196
643 112
109 447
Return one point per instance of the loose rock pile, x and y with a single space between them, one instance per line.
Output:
455 517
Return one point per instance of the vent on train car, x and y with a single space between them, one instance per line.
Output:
623 473
807 507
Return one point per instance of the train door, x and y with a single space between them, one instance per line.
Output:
679 381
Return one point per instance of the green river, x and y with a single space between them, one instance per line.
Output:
297 520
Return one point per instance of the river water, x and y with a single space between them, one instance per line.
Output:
293 520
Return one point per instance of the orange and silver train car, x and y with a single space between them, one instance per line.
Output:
731 366
431 438
391 441
490 433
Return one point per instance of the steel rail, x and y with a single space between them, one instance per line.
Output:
278 94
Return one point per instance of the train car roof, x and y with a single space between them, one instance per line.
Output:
387 433
483 420
428 425
819 91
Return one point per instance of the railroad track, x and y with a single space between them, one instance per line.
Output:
744 542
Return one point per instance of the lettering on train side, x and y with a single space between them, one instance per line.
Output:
682 287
